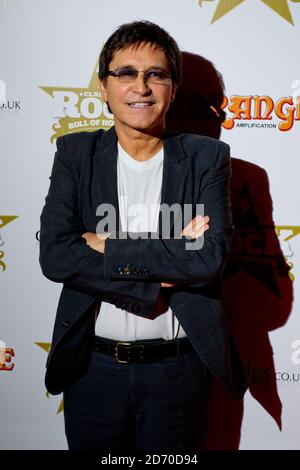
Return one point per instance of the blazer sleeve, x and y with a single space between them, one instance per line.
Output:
168 259
64 255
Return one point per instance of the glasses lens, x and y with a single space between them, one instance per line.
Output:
126 75
157 76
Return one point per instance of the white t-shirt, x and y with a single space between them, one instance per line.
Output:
139 195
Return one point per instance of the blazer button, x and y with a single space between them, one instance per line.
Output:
66 324
127 269
120 270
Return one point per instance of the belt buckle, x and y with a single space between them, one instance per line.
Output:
124 343
120 343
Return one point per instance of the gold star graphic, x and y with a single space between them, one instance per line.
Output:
223 7
279 6
6 219
46 347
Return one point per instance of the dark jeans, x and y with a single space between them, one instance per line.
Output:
157 406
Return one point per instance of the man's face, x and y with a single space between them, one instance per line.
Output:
140 105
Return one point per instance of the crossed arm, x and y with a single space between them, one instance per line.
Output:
195 228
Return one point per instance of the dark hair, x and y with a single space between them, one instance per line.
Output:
136 33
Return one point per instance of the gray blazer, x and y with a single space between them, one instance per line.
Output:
196 170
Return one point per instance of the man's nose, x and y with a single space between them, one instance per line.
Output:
141 84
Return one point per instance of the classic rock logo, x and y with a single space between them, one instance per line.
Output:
79 109
255 249
281 7
4 220
46 347
285 234
261 111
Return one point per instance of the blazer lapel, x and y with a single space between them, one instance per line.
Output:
174 175
105 168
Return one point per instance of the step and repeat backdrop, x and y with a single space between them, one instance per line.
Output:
241 84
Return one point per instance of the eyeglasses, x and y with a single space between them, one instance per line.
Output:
129 75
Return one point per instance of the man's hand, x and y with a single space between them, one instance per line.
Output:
195 228
96 241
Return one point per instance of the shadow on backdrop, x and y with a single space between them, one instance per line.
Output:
257 289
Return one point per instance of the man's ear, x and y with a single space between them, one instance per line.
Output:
102 87
174 89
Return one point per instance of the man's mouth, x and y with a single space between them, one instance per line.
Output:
141 104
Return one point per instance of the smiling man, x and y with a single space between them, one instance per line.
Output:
140 93
140 326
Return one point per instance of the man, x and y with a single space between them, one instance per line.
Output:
140 324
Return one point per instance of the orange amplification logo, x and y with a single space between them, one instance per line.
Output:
285 111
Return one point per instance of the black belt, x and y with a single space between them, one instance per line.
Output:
142 351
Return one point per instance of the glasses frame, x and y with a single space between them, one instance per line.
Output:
147 79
